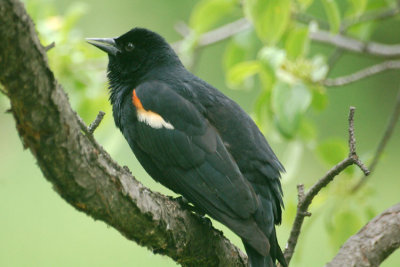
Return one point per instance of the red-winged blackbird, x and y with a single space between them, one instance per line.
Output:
194 140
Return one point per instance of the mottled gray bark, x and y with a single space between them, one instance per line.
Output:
373 243
81 171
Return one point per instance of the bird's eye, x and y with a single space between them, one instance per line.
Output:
129 47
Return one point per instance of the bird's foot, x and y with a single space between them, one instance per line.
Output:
181 200
205 220
186 204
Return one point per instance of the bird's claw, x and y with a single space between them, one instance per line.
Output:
186 204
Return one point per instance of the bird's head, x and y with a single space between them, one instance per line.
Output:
135 54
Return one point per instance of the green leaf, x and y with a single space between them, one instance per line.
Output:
377 5
333 13
208 12
332 151
289 102
320 98
262 108
356 7
242 47
267 77
270 18
370 213
363 31
304 4
74 13
308 130
241 71
344 224
297 42
234 53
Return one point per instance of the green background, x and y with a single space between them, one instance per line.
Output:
38 228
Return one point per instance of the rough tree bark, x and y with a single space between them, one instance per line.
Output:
84 174
373 243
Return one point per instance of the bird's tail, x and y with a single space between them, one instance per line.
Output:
258 260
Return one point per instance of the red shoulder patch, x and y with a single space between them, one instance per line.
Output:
136 101
149 117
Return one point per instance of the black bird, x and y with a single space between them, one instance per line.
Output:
196 141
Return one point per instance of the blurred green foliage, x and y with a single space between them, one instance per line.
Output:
276 61
77 66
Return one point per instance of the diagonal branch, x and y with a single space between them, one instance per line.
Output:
354 45
81 171
373 243
93 126
372 16
306 199
366 17
340 41
217 35
364 73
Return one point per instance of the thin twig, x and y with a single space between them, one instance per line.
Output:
333 58
382 143
354 45
300 192
372 16
323 36
307 19
217 35
352 138
306 199
93 126
82 124
50 46
89 130
340 41
300 196
182 28
346 24
224 32
352 144
364 73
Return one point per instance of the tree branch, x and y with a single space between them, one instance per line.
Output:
354 45
306 199
50 46
382 143
81 171
340 41
371 16
93 126
214 36
305 18
364 73
373 243
347 23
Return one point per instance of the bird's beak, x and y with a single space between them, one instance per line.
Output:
108 45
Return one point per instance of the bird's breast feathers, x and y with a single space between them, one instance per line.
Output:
149 117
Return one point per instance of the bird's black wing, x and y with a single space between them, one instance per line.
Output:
251 152
244 141
180 149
